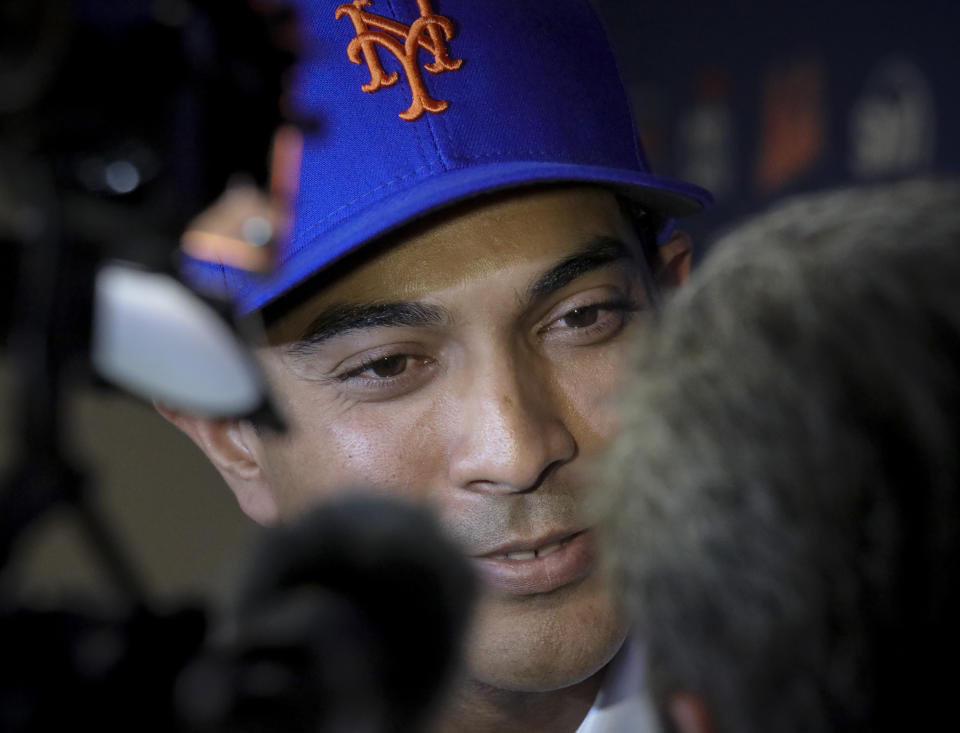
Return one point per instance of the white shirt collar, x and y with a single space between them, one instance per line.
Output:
622 705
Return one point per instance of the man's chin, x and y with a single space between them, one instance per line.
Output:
542 674
543 650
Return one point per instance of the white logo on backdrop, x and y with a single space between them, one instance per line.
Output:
893 122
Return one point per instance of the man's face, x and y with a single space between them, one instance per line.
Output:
470 366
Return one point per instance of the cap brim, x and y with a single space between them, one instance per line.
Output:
373 219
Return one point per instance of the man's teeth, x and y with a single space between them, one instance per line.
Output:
532 554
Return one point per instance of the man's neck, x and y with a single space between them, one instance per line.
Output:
477 708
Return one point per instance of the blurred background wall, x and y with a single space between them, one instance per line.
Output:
173 519
757 100
753 100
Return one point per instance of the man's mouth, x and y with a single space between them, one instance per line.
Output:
539 566
543 551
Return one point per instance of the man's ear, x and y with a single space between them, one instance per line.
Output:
233 448
675 259
689 713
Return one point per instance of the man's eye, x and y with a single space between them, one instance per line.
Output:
387 377
592 323
388 366
582 317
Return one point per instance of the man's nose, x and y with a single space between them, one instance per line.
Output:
510 429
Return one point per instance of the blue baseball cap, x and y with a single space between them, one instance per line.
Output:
424 103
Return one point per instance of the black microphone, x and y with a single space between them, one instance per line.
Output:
350 618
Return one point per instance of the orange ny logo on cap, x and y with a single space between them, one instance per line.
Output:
429 32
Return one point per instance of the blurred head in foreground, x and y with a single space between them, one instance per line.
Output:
786 479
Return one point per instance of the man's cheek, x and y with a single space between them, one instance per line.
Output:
605 412
382 459
591 404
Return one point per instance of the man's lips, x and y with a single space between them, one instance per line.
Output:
538 566
529 549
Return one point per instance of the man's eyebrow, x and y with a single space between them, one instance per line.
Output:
340 319
596 253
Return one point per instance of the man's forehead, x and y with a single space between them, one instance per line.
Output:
468 242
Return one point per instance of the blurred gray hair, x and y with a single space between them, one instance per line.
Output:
785 482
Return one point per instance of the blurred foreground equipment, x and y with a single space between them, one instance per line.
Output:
350 620
118 124
121 123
